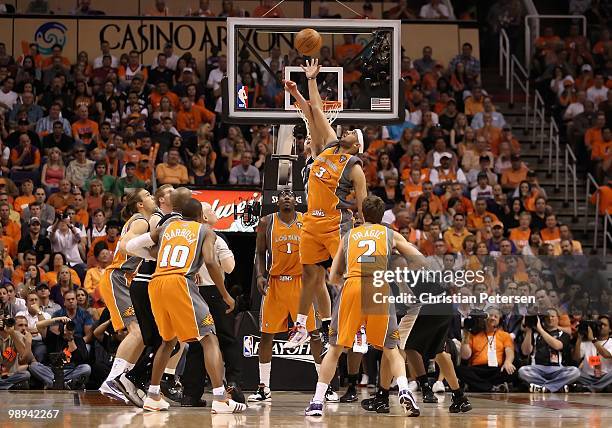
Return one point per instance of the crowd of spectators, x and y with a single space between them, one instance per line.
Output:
76 136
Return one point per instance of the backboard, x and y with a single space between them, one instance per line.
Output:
360 61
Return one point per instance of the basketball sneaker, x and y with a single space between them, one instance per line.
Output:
227 406
297 336
135 395
409 403
350 396
379 403
314 409
413 386
537 388
428 395
263 393
459 403
438 386
331 396
155 405
109 390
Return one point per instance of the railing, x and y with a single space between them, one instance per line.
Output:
504 57
539 118
591 180
532 35
553 137
523 81
606 235
570 174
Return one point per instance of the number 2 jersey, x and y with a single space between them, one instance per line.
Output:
283 243
180 249
367 249
329 185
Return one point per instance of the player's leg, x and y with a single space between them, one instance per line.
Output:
326 374
353 360
263 392
460 403
154 401
170 385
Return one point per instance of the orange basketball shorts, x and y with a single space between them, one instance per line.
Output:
179 309
351 311
116 294
281 301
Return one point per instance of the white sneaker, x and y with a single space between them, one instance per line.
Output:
297 336
129 390
227 406
364 380
108 390
155 405
331 396
413 386
438 387
263 393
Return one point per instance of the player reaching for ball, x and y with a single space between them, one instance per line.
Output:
335 172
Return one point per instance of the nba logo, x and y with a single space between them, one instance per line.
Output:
247 346
243 97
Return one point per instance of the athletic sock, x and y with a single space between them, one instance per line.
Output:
318 369
402 383
154 389
353 379
119 366
457 392
301 319
319 396
264 373
219 392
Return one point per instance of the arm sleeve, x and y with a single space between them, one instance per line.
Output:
139 243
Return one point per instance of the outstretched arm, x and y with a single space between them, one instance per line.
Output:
324 130
317 147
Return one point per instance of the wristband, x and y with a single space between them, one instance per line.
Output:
311 78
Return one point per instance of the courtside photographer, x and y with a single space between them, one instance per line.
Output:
594 348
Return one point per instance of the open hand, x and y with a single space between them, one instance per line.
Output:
312 68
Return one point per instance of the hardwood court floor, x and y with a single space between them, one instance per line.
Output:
90 409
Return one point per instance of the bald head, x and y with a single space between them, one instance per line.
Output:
209 215
179 197
192 210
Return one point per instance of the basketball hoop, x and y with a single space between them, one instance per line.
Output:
331 109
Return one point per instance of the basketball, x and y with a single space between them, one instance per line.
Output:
308 42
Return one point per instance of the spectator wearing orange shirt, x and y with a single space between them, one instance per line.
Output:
551 234
548 41
475 221
143 170
25 159
512 177
474 103
604 44
413 187
190 117
56 52
161 91
595 134
601 154
26 197
11 228
62 198
84 129
7 242
433 201
348 50
171 172
455 235
520 235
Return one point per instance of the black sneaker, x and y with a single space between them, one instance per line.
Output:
188 401
19 386
377 403
350 396
428 395
172 389
460 404
235 393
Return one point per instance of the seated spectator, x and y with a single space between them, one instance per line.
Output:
98 226
108 181
490 355
401 11
95 272
470 64
46 213
57 261
25 160
160 9
14 354
455 235
445 174
517 173
131 70
84 302
434 9
595 351
34 240
105 50
598 93
520 235
66 239
475 220
601 155
426 63
59 338
54 170
63 197
33 315
33 112
545 347
9 309
84 130
245 173
551 234
44 302
497 119
8 243
566 234
483 189
10 228
26 197
56 53
192 116
172 172
576 107
80 168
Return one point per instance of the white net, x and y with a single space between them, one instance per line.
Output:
330 108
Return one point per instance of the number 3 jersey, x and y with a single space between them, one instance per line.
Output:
283 243
180 249
367 249
329 185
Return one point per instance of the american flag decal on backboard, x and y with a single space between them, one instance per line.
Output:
380 104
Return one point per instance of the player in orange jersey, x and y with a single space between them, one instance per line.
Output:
114 288
334 174
179 310
363 251
278 242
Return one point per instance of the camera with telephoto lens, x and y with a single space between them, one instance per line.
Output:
70 326
531 321
583 328
6 321
476 321
57 361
